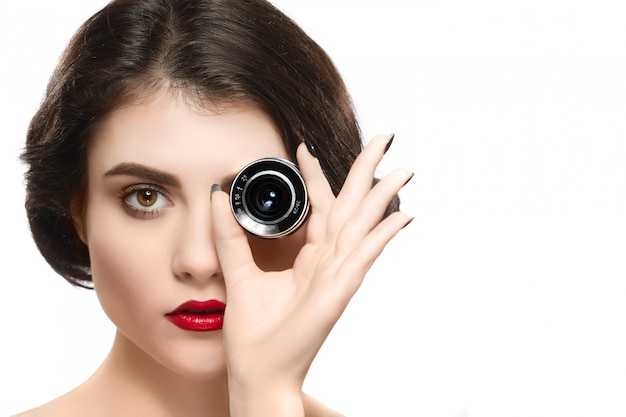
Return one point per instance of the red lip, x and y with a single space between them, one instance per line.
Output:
198 316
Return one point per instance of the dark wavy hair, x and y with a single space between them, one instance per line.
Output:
216 52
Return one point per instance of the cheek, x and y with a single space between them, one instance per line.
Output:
126 265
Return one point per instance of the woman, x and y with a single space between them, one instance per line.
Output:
153 109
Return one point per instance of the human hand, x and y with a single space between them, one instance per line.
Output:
276 322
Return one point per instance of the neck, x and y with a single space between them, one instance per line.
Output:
133 383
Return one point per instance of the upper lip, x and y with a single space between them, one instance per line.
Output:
194 306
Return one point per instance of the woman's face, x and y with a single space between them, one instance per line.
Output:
147 220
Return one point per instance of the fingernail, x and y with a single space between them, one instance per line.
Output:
409 179
214 188
311 148
409 222
393 135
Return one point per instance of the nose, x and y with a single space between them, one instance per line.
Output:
195 257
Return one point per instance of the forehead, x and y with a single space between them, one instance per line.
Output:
166 131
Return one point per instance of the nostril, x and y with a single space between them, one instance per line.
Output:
196 262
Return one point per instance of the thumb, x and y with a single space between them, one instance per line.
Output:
231 243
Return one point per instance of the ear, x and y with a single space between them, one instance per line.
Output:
78 212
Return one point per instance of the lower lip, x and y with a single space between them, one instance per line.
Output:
197 322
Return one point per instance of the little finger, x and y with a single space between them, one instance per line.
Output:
353 270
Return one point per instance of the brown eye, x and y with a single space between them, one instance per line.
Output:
146 197
144 200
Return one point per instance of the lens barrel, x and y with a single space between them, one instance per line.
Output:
269 199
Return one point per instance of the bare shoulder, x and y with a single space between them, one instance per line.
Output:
66 406
314 408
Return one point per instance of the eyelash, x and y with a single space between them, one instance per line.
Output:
132 192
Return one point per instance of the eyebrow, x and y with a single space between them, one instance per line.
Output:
145 173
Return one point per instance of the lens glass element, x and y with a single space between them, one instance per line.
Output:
269 197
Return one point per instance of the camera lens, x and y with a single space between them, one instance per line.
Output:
269 198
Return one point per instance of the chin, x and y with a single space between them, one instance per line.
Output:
197 364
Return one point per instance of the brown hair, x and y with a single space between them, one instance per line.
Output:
216 52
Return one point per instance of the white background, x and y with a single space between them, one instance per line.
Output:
504 296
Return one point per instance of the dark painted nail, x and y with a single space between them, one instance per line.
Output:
409 222
214 188
393 135
311 148
409 179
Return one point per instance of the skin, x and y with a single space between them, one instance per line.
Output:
283 296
